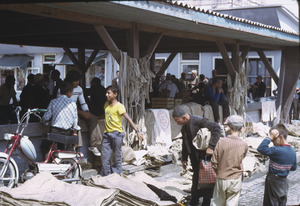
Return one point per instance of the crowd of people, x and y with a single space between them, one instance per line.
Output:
199 88
68 102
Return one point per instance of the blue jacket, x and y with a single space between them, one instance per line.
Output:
282 158
213 96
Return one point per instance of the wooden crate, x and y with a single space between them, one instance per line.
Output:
164 103
177 102
185 95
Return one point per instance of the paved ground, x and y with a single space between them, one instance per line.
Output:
253 187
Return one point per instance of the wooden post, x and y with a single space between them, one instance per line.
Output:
81 59
152 63
292 73
226 59
268 65
244 53
235 57
133 43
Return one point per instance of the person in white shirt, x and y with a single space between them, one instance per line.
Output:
168 84
73 77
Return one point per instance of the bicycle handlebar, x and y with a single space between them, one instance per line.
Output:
25 119
38 110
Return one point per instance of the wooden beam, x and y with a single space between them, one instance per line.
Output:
226 59
166 64
268 65
235 54
55 13
244 54
133 43
81 59
72 57
280 91
292 74
152 46
109 43
90 59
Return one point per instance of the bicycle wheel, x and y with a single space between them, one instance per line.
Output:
10 177
75 172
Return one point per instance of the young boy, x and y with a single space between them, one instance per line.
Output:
227 163
282 160
113 133
62 112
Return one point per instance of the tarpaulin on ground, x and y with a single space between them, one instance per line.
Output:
133 192
45 189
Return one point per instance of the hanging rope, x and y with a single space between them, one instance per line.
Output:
135 84
237 92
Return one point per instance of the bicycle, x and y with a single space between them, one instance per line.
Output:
62 164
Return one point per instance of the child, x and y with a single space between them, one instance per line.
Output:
113 133
62 112
282 160
227 163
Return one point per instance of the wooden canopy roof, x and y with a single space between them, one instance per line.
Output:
184 29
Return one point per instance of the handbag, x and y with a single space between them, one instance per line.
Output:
207 175
202 138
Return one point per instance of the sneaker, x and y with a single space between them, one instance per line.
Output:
95 151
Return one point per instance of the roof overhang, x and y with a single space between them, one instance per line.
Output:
71 24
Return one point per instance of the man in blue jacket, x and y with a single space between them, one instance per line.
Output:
215 95
282 160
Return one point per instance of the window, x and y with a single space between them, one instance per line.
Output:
257 67
159 62
189 62
190 56
49 58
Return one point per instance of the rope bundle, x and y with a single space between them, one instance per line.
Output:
135 84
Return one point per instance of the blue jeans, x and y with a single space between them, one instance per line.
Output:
111 147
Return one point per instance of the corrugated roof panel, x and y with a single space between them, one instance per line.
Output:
179 17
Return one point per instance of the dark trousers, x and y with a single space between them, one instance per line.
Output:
276 189
215 108
6 114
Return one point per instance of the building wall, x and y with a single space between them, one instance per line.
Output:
206 63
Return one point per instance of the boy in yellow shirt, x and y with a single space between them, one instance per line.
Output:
113 133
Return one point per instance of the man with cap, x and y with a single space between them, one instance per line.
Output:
227 163
190 126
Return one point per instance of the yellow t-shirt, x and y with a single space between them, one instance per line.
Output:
113 117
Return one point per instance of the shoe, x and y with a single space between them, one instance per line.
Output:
95 151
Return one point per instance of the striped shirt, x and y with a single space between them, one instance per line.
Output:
282 158
228 156
78 96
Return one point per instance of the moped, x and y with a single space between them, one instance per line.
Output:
61 163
